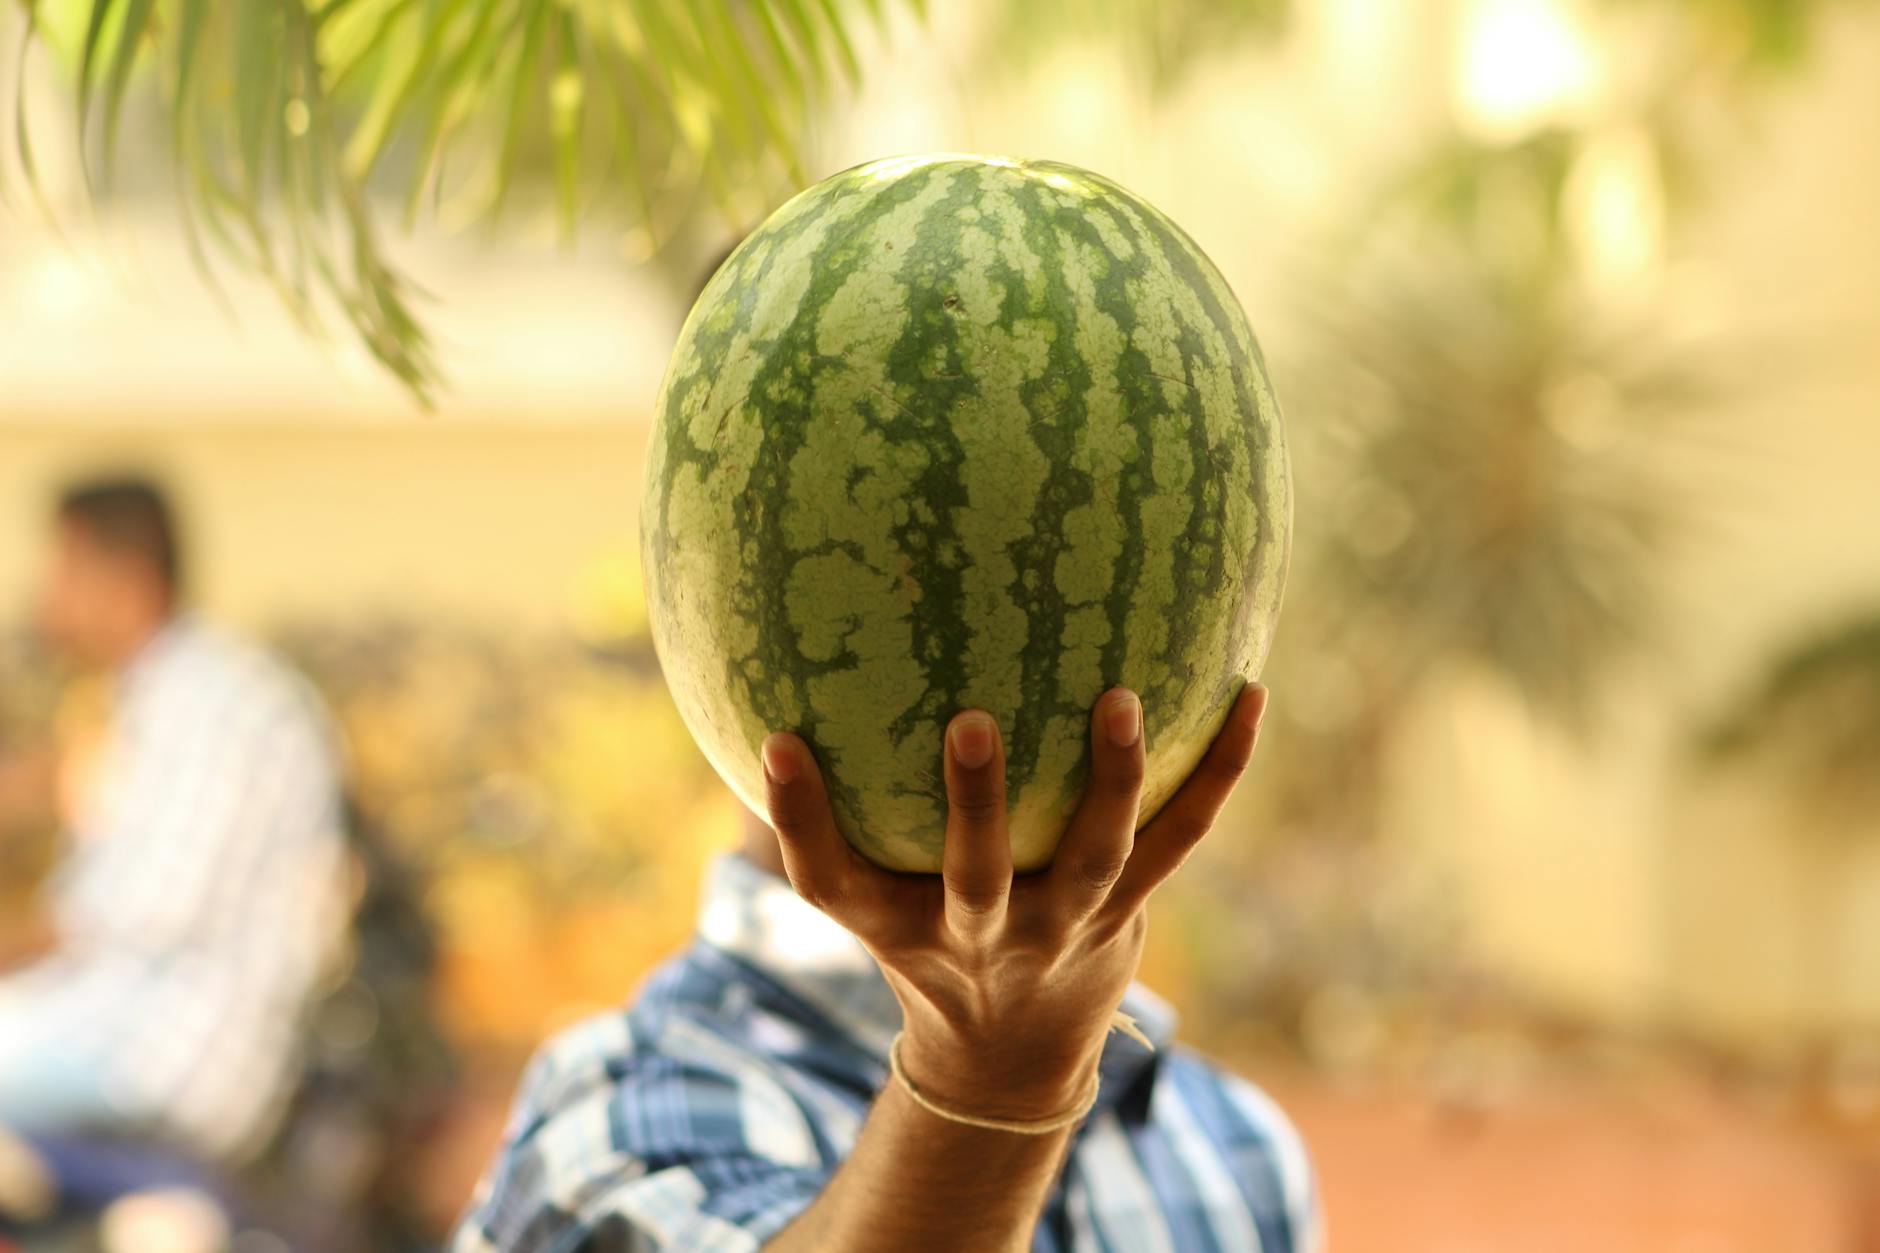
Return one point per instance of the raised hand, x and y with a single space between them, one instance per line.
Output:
1008 984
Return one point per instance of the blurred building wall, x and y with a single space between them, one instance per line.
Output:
495 524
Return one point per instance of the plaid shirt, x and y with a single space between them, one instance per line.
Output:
714 1110
200 899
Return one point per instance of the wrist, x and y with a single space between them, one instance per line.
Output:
1003 1080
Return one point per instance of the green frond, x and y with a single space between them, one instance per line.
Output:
1495 466
1813 715
1161 39
1750 37
289 118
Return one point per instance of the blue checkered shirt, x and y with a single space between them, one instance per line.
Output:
712 1111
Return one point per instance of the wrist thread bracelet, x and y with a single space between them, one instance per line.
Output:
1023 1127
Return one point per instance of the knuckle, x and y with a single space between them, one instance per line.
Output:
1227 768
788 810
1096 873
1178 857
785 820
794 829
1185 834
823 896
976 807
977 898
1119 927
818 890
1124 779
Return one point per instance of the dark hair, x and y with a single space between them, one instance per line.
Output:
127 517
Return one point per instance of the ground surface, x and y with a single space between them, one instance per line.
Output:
1668 1168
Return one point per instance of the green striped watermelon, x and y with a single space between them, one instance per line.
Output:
960 431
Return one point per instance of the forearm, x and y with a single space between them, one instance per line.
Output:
918 1183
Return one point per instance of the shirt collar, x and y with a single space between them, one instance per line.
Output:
758 918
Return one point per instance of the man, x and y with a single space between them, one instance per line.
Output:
200 890
882 1063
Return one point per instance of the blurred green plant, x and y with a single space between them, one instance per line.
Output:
1813 718
1494 419
279 112
543 790
1492 403
1160 39
1493 456
1493 464
1747 37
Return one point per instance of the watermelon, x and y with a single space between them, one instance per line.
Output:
952 432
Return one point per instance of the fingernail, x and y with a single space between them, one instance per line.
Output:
1123 719
972 740
779 759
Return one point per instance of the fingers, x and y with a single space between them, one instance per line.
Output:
1097 844
976 866
819 862
1165 843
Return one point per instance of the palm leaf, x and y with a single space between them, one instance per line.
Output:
1813 718
1491 455
286 116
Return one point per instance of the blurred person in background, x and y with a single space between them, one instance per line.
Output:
199 892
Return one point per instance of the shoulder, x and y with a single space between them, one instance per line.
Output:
1247 1127
679 1050
206 679
581 1061
654 1119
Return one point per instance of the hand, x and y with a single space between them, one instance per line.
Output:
1008 985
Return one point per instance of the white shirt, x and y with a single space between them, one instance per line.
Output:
202 898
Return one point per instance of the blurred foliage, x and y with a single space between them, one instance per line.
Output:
546 794
1814 719
1750 36
1492 465
1492 441
378 1074
1492 399
1160 39
29 690
279 112
1492 393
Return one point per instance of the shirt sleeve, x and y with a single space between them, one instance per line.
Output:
646 1153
